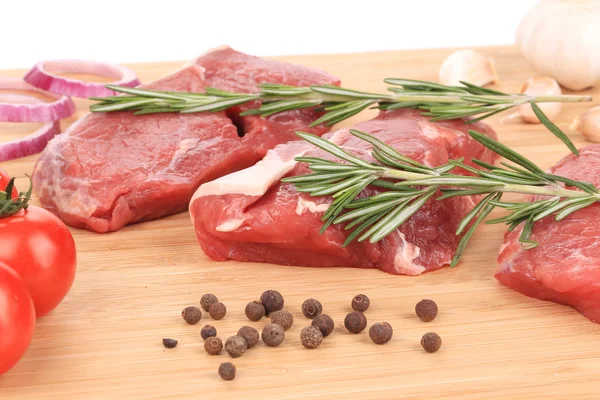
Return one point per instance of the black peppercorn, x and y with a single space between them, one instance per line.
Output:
324 323
361 303
255 310
427 310
355 322
208 331
169 343
213 345
235 346
217 310
227 371
272 300
311 308
381 333
283 318
273 335
311 337
207 300
192 315
250 335
431 342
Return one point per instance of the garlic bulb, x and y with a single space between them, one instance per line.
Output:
468 66
588 124
540 86
561 38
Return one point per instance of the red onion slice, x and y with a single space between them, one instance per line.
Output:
24 108
43 75
30 144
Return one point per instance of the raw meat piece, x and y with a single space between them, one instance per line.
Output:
251 216
565 267
110 170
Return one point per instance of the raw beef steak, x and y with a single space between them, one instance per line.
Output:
565 267
251 216
110 170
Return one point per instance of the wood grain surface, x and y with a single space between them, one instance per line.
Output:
104 340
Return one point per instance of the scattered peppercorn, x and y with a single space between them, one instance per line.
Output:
324 323
255 310
217 310
192 315
427 310
169 343
227 371
207 300
311 337
311 308
381 332
213 345
250 335
283 318
272 300
273 335
208 331
361 303
236 346
431 342
355 322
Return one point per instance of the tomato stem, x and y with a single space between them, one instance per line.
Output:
10 206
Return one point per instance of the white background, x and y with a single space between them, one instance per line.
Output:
135 31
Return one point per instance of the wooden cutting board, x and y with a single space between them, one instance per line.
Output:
104 341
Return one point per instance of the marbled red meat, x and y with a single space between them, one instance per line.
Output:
110 170
251 216
565 266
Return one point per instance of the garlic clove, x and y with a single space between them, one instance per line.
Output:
540 86
588 124
468 66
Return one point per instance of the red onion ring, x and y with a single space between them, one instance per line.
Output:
30 144
42 76
23 108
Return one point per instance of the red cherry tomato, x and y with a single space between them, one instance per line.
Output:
4 179
40 248
17 318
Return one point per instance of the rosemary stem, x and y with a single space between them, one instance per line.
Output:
554 191
567 98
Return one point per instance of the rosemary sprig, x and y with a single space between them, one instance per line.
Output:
437 101
410 185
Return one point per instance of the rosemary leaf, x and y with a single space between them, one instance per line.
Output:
474 212
388 150
369 210
401 215
553 128
220 105
339 186
333 149
483 164
565 212
525 236
505 152
383 196
364 225
557 207
586 187
462 245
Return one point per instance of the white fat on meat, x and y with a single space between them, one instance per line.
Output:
230 225
257 179
406 253
429 130
311 206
